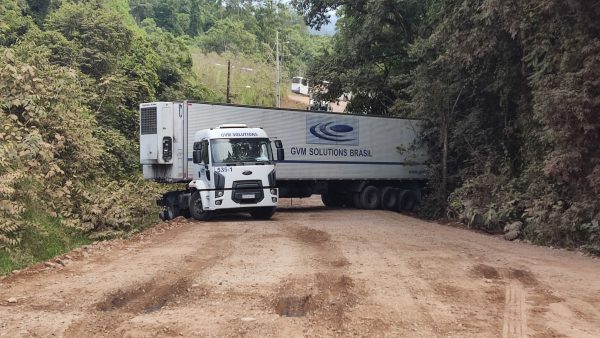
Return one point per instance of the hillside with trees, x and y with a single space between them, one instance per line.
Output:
512 93
72 74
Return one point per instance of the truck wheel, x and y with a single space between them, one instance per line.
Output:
196 210
171 212
263 213
370 198
389 198
407 200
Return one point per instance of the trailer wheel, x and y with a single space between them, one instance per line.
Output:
263 213
196 209
370 198
389 198
407 200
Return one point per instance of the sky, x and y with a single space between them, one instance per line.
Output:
328 29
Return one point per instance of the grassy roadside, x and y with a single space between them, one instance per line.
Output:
252 82
45 237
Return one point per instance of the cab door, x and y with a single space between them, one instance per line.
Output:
201 157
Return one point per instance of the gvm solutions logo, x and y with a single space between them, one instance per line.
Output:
332 130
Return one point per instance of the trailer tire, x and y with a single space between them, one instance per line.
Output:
196 209
407 200
389 198
370 198
263 213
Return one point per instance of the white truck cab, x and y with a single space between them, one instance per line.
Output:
234 169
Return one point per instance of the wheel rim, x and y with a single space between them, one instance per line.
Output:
372 198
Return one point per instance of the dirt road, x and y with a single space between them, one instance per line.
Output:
310 271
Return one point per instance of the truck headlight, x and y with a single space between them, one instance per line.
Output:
219 193
273 191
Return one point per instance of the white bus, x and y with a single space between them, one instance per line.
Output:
300 85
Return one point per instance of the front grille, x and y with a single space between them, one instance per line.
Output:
148 120
242 189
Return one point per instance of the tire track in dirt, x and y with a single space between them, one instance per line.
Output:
326 295
166 288
515 316
524 293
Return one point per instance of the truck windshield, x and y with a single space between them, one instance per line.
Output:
239 150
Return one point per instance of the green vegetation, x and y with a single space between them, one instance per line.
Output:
511 90
42 238
241 31
72 74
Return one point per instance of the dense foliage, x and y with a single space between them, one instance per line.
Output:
72 74
514 88
236 26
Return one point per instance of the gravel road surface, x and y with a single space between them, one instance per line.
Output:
311 271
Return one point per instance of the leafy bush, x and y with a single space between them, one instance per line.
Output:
118 205
486 202
554 221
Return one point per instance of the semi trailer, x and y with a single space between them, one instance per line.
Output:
234 157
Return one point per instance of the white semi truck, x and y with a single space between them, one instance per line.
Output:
225 155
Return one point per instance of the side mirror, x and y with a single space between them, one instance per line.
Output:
280 153
197 156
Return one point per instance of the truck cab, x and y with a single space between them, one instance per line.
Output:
234 171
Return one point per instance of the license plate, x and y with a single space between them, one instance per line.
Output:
247 195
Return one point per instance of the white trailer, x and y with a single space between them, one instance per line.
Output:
355 160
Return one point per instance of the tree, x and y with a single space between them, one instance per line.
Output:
100 35
195 24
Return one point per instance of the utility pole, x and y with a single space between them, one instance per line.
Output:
228 81
278 76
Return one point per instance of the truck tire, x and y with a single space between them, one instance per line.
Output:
389 198
196 209
370 198
407 200
171 212
263 213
